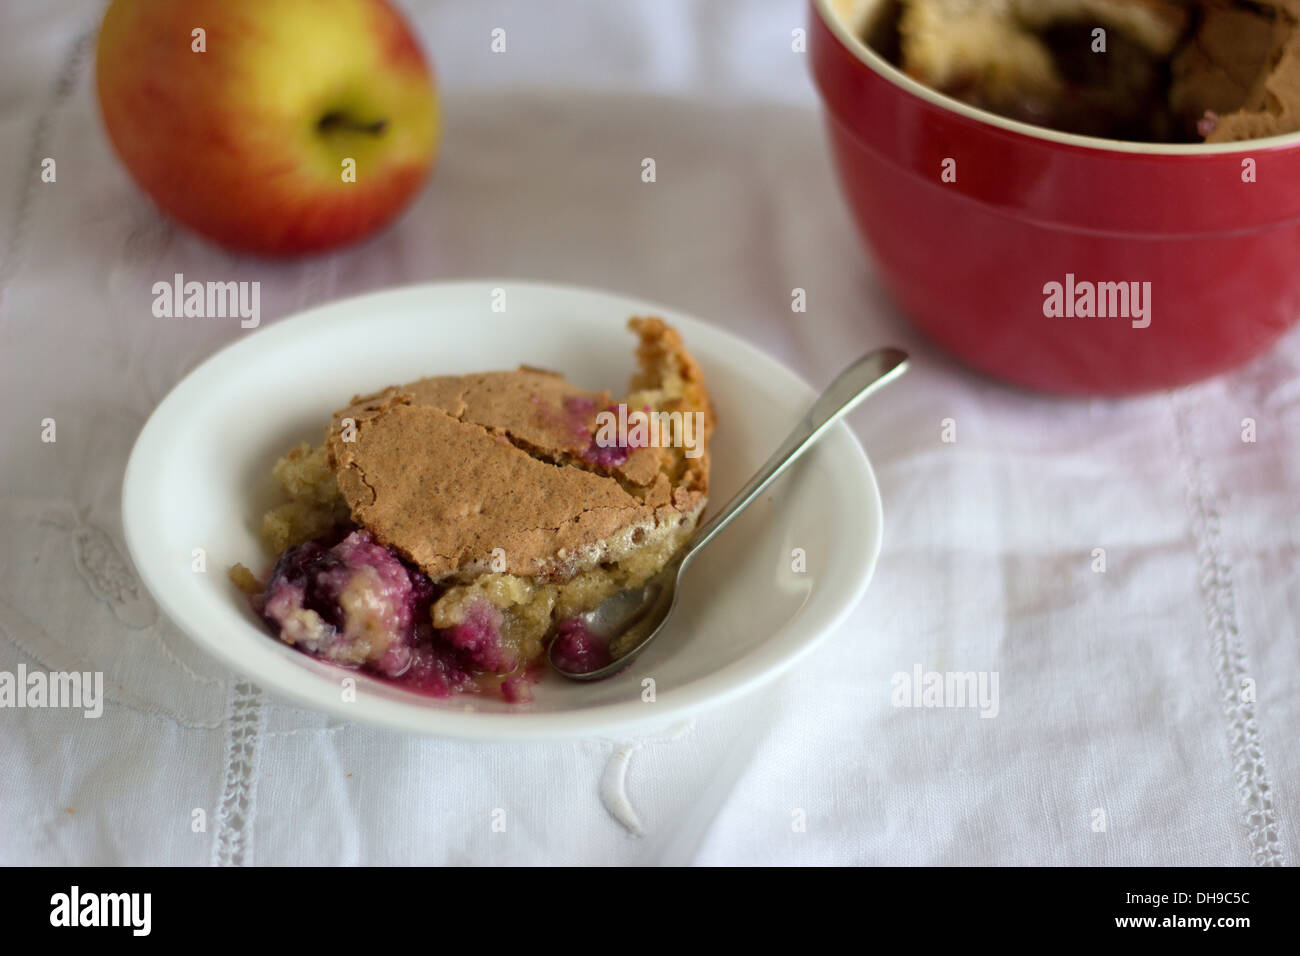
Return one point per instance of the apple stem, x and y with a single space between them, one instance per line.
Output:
340 121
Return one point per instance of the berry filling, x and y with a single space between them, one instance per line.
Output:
358 604
577 650
478 638
600 451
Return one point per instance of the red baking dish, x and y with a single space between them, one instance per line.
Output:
1214 230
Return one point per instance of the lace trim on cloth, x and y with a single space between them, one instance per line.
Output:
1230 662
233 843
65 84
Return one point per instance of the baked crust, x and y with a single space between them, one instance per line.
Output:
1240 73
469 475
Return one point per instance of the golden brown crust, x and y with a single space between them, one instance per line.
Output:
1263 98
448 493
666 367
456 471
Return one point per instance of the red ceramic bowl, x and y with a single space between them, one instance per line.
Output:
971 261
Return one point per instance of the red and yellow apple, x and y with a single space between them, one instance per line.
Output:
275 127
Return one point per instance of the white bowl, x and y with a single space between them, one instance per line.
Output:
199 478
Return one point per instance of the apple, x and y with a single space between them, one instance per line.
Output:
275 127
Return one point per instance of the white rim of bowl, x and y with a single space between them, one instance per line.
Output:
888 71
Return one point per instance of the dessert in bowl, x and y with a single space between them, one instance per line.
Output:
1147 241
445 530
199 483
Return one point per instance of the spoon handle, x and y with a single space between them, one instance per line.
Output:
849 388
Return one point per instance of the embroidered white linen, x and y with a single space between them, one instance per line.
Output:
1144 714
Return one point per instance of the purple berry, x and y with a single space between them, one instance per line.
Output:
478 638
577 650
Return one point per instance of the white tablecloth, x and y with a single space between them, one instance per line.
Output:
1122 736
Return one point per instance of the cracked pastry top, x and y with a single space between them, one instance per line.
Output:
446 527
450 470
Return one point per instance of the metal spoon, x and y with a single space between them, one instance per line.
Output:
634 617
